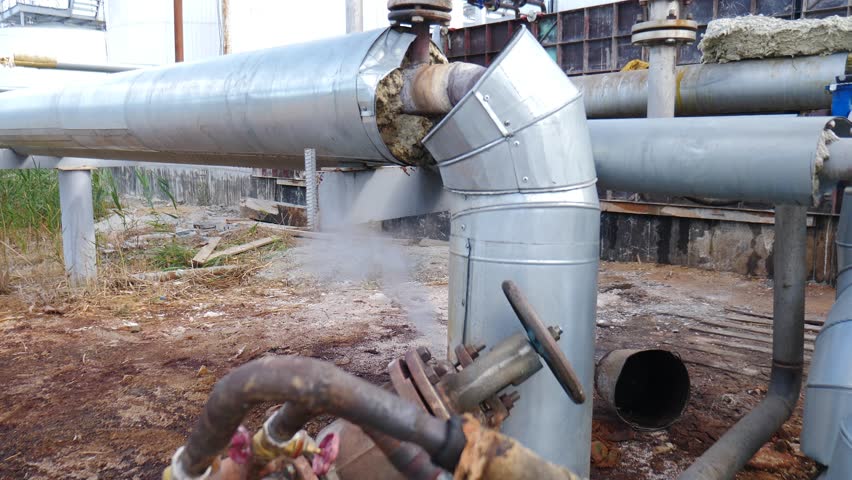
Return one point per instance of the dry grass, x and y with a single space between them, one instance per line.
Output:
36 275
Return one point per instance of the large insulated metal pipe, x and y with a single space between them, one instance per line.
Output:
780 159
258 108
748 86
735 448
828 395
516 149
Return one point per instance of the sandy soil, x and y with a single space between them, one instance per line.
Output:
86 397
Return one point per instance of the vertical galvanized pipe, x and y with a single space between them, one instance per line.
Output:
790 277
662 58
662 83
178 20
226 27
354 16
78 225
731 452
828 394
311 187
527 211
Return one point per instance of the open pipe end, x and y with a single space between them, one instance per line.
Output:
648 389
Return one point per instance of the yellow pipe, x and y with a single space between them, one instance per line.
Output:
34 61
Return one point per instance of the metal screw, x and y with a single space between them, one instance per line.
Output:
473 350
424 353
442 369
431 375
486 98
670 41
507 123
463 227
525 179
517 143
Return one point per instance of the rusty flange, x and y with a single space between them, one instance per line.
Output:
420 11
668 31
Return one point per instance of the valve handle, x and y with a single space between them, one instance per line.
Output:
544 343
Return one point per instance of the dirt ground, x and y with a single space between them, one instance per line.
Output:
88 395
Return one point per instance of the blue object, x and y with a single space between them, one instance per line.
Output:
841 96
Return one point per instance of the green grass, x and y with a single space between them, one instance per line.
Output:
29 205
172 256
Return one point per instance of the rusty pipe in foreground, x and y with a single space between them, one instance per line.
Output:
435 89
490 455
318 387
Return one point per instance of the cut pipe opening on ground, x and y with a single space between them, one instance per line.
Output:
648 389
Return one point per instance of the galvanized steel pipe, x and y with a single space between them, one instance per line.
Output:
735 448
775 158
828 395
257 108
528 213
748 86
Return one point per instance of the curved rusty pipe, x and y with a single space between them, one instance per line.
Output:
407 458
436 89
318 387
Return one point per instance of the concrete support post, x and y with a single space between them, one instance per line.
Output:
354 16
78 225
311 187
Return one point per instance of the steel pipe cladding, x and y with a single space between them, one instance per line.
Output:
529 213
259 108
748 86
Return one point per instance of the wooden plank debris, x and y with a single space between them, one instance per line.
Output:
736 317
155 277
742 311
747 328
740 335
201 257
228 252
274 212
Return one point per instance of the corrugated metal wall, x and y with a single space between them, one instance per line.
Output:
597 39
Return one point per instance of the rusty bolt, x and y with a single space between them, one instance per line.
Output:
510 398
473 350
424 354
442 368
555 332
431 374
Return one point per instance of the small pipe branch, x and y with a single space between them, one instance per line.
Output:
736 447
316 386
436 89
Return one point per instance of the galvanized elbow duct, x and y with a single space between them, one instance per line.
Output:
748 86
828 395
517 151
